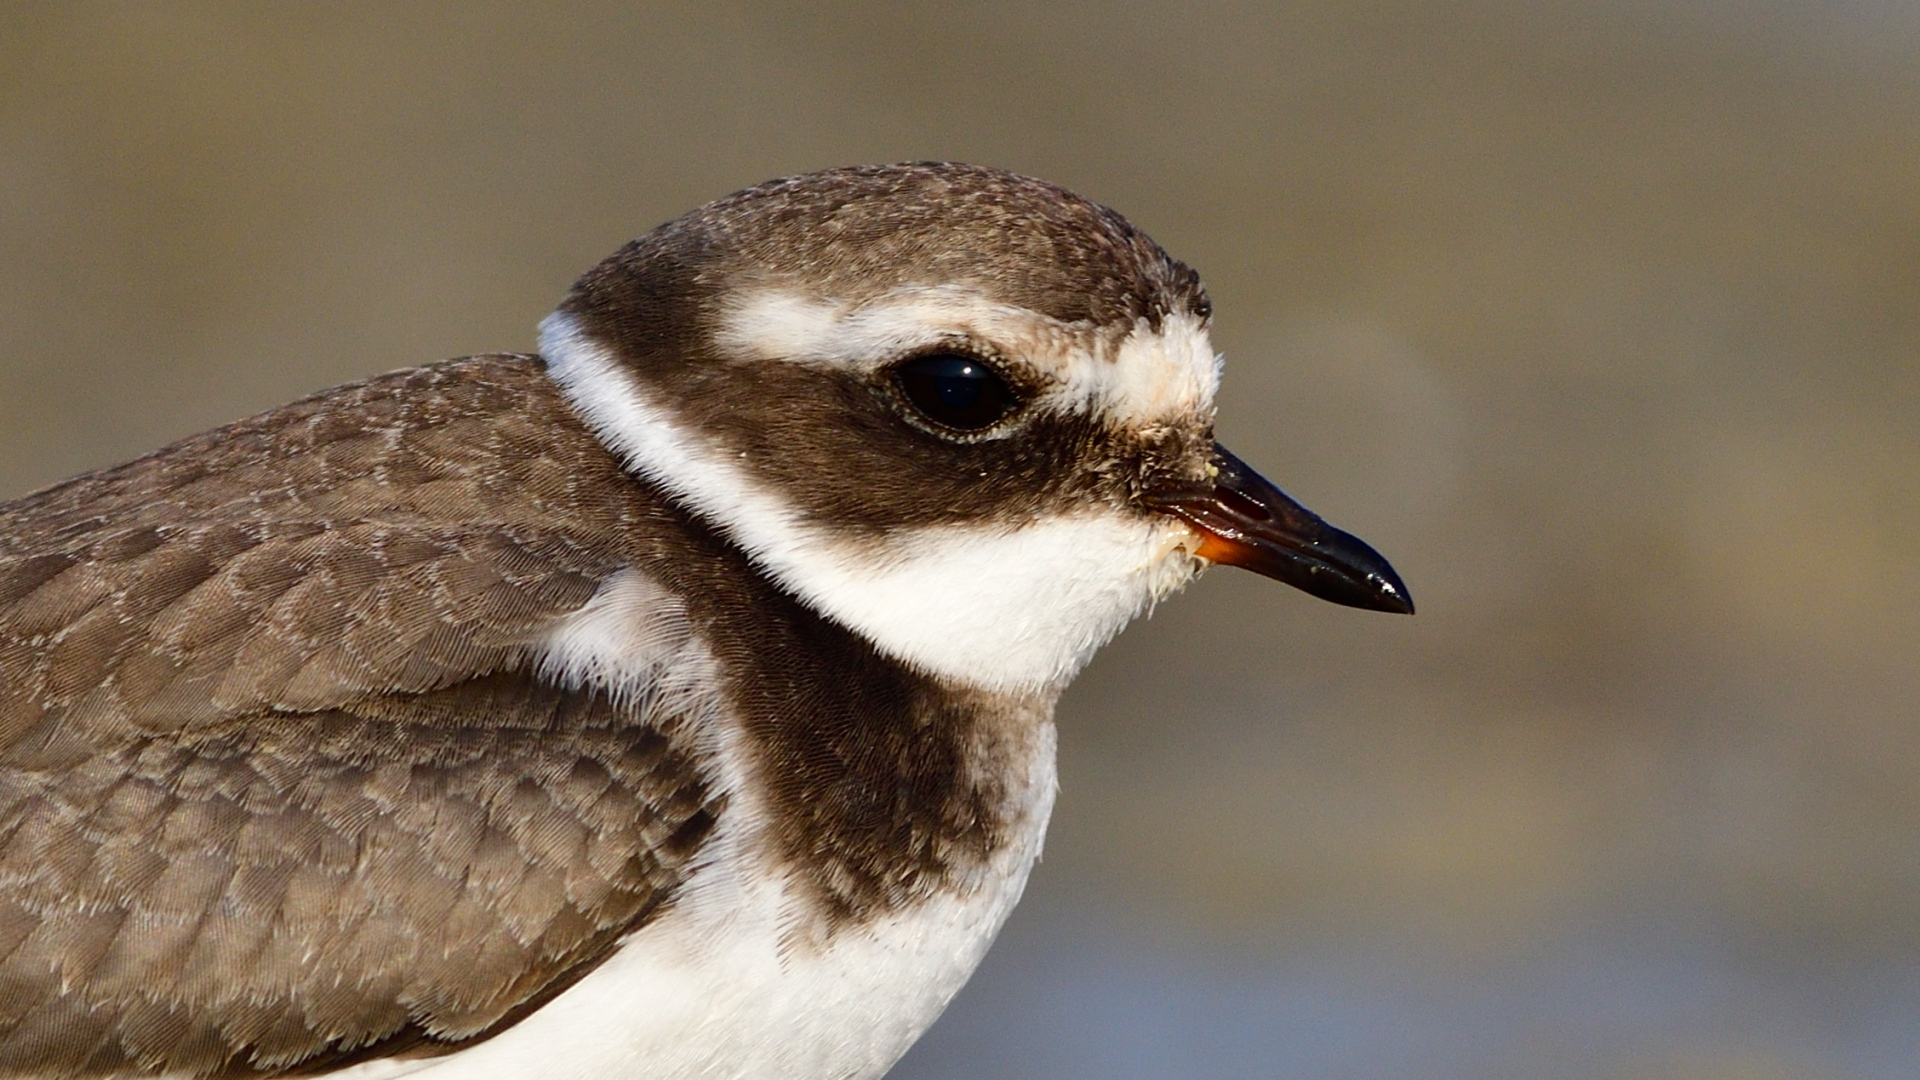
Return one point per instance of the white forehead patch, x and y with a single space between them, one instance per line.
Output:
1154 374
1010 608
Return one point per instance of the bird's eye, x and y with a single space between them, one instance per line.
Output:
956 391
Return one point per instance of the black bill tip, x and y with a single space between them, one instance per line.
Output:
1245 521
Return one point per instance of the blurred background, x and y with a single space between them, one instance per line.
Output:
1600 318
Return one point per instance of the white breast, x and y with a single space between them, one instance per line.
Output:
737 979
718 990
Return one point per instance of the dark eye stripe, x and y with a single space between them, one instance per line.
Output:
955 391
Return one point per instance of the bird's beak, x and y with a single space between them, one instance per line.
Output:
1243 520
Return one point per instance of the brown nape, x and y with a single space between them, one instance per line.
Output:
268 698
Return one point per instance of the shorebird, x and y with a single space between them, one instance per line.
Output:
675 702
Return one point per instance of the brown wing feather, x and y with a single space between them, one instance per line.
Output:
394 535
267 717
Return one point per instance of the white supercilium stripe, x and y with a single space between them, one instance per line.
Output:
1153 373
1004 608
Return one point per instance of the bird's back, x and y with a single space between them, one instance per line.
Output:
238 761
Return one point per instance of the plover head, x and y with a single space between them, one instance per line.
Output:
964 413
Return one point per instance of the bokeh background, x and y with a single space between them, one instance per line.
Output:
1601 318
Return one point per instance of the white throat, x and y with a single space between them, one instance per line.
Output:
1003 608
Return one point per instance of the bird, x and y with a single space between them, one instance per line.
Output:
676 701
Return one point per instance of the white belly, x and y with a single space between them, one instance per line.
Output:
737 980
728 985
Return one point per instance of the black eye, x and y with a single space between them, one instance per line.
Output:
955 391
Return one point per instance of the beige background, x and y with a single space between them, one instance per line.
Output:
1600 319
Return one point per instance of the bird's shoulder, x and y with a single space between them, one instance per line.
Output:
394 535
